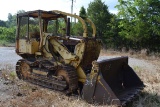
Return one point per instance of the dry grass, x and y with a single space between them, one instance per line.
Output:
150 96
23 94
28 95
7 72
131 53
43 97
34 96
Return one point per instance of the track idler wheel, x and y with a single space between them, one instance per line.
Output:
68 74
23 70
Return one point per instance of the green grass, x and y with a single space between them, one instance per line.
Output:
4 43
137 68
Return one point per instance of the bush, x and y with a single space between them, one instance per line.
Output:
7 34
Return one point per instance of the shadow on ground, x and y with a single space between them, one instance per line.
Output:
145 99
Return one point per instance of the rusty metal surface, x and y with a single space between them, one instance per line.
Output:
89 88
48 80
91 53
118 74
116 84
104 94
44 14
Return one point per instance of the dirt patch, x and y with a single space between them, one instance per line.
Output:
17 93
23 94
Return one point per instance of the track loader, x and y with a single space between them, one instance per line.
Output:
52 58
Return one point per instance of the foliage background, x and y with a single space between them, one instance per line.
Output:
135 27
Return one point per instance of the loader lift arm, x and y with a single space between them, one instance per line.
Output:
63 51
76 64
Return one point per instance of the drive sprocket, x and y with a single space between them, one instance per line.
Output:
23 69
65 77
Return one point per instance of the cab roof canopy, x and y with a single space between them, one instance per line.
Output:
44 14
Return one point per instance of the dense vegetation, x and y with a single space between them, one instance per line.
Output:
140 23
136 26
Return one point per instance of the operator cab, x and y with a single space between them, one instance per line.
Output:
33 24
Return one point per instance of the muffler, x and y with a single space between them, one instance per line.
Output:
111 82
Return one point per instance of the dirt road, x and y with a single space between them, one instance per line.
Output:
16 93
8 57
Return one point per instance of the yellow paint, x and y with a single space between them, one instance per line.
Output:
29 47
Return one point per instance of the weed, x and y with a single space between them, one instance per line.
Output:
12 75
137 68
7 73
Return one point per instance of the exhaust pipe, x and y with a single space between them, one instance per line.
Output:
68 27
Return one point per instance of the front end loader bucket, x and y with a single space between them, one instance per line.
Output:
111 82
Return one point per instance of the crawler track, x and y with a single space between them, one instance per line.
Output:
24 71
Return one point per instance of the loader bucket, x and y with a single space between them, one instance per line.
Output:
115 83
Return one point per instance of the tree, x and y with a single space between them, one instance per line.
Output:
11 20
114 40
98 12
2 23
82 12
77 29
140 22
7 34
20 11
